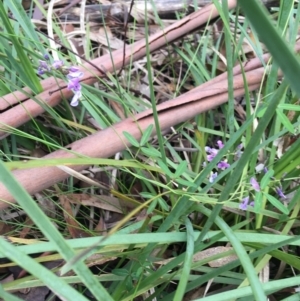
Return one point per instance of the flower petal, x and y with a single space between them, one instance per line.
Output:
75 99
212 177
244 204
220 144
254 184
280 192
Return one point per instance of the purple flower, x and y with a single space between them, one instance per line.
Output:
245 203
254 184
212 153
220 144
74 84
43 67
280 192
223 165
46 57
73 69
75 99
75 74
212 177
238 152
40 71
57 64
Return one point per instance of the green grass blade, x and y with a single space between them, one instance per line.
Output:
187 262
278 47
30 77
56 284
47 227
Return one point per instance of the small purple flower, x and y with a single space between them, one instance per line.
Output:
238 152
223 165
74 84
73 69
43 67
46 57
212 153
40 71
75 99
57 64
220 144
280 193
245 203
212 177
75 74
254 184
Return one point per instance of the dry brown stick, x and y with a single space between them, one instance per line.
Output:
30 108
180 110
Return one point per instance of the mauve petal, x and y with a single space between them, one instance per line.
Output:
280 193
57 64
254 184
75 99
220 144
212 177
76 74
244 204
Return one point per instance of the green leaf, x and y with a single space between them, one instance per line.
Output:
180 169
120 272
152 206
283 55
258 202
146 134
151 152
285 121
186 183
131 139
266 179
51 232
29 77
165 168
187 265
276 203
288 106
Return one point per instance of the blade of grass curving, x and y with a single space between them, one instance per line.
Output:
285 13
31 79
56 284
291 156
25 23
180 291
152 93
269 287
278 47
47 227
230 119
